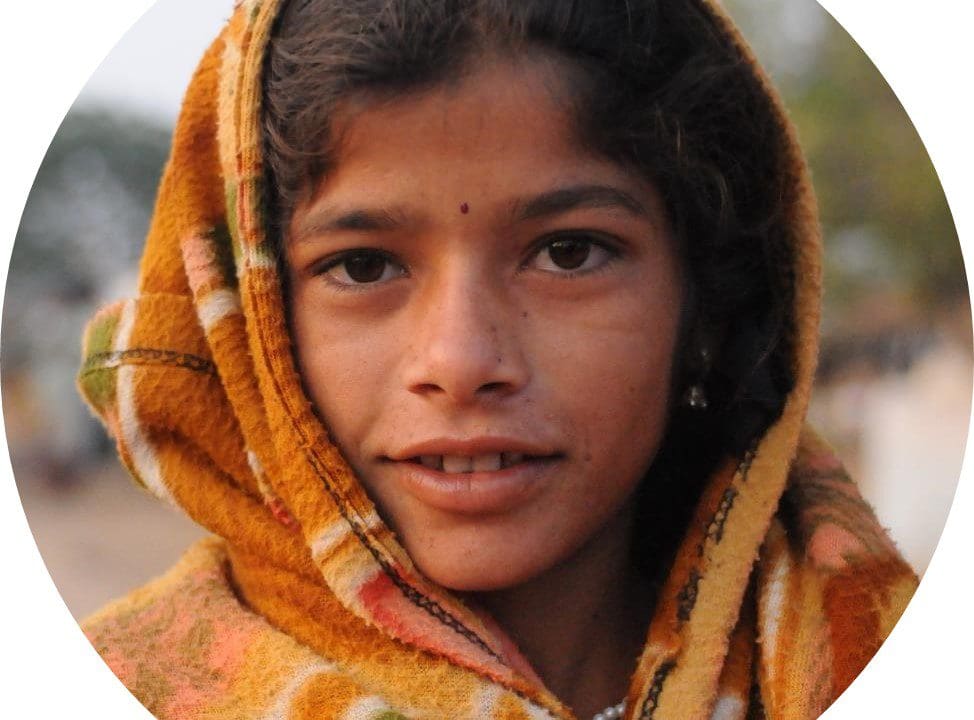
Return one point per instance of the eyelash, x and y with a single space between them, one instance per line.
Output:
330 263
595 240
603 243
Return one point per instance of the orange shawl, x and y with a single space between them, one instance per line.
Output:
305 606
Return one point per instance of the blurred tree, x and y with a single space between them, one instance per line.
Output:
88 210
884 215
78 243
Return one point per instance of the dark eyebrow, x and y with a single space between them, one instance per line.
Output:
575 197
554 202
327 219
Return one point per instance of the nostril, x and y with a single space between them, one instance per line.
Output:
428 388
492 387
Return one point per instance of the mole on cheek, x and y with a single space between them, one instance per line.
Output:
464 208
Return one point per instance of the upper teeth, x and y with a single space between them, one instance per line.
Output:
466 464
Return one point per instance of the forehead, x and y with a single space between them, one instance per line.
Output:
504 123
485 86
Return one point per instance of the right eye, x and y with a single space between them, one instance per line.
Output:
361 267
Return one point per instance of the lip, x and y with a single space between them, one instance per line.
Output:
475 493
473 446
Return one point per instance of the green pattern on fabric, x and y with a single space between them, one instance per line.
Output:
261 213
389 715
223 251
99 386
232 227
101 335
265 254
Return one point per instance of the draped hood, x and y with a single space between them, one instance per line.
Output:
304 604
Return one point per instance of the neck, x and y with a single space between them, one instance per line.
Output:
582 624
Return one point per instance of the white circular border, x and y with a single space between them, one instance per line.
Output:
924 51
50 49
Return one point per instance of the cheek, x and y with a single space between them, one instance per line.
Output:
614 358
620 408
342 368
617 361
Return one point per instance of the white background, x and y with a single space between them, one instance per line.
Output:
50 49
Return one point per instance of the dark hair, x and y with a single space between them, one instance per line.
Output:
659 87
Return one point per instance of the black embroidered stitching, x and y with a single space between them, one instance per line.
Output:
687 597
745 467
715 529
652 699
146 356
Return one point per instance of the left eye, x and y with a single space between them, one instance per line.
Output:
571 254
361 267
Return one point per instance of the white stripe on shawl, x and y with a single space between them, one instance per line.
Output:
257 259
349 581
365 709
774 605
216 305
258 470
485 702
144 460
255 467
728 707
534 712
282 707
333 535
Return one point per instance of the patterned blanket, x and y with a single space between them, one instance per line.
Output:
308 607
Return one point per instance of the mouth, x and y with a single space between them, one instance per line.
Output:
474 478
465 464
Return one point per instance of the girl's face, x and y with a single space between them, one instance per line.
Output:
485 315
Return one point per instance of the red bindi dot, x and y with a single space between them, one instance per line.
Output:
464 208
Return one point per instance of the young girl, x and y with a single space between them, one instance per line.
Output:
480 333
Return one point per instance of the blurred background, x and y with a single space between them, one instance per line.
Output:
895 378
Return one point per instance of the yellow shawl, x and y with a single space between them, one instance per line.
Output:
304 605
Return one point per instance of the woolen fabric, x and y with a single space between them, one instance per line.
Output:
303 605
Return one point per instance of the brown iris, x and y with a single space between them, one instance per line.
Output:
569 253
365 267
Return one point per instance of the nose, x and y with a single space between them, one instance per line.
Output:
466 347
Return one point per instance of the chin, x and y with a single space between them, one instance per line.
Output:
482 568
